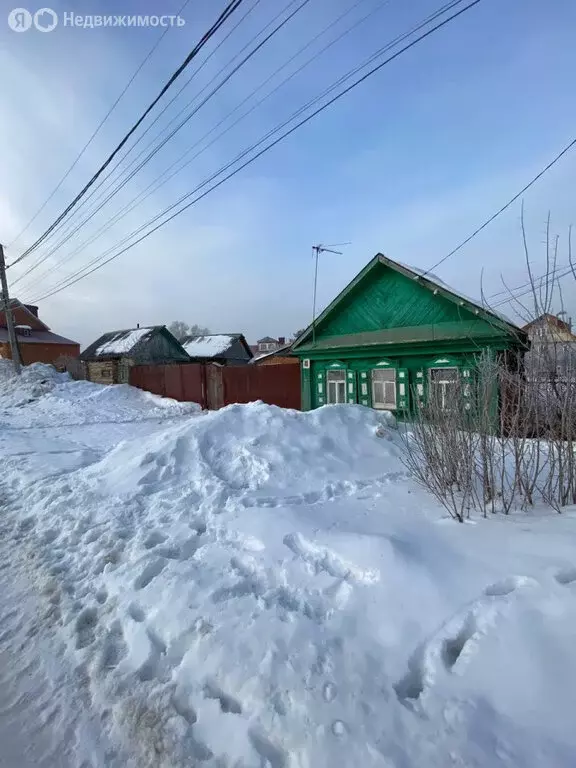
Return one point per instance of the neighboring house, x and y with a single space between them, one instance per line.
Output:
36 342
395 333
223 348
552 347
109 359
280 356
268 344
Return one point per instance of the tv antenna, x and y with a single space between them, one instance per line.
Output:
316 251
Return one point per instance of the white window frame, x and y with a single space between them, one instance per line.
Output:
385 405
444 385
336 388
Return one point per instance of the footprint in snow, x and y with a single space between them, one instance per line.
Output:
86 622
566 576
149 573
443 651
507 586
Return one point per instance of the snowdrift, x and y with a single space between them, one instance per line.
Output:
257 447
42 397
264 588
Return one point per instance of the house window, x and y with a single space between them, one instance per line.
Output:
336 386
444 385
384 388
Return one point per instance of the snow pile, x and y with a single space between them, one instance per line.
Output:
260 448
42 397
264 588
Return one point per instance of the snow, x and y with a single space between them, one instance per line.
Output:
265 588
208 346
122 342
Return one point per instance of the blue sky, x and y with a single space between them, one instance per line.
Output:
409 163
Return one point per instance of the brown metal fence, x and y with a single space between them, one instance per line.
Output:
274 384
214 386
180 382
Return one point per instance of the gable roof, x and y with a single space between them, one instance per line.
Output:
27 309
116 343
40 337
548 319
428 281
267 340
213 345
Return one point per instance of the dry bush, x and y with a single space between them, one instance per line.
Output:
511 443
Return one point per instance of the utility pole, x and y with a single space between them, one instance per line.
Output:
316 251
8 315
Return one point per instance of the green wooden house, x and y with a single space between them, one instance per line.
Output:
395 336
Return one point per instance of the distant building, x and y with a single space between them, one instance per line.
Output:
269 344
36 342
223 348
109 359
280 356
552 347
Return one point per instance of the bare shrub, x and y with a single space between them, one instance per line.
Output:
510 442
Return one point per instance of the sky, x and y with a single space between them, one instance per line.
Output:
408 163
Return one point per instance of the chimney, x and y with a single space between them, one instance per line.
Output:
137 325
31 308
281 340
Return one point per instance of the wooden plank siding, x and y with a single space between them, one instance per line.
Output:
393 317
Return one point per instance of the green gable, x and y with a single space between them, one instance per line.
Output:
390 304
395 337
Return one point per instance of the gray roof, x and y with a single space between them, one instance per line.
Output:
37 337
117 343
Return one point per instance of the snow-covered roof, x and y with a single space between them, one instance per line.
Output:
121 342
208 346
116 343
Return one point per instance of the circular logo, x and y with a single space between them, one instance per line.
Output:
20 20
45 20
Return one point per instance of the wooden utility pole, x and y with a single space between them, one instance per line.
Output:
8 314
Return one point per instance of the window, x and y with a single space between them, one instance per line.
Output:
384 388
444 385
336 386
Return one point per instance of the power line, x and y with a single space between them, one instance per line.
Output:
163 178
194 74
291 118
220 71
166 139
98 128
226 13
269 146
546 276
519 194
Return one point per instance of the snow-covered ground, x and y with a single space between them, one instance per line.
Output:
263 588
